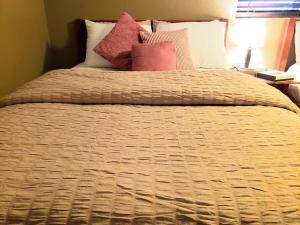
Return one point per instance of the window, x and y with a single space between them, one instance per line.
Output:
268 8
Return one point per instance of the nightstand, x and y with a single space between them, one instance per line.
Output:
283 86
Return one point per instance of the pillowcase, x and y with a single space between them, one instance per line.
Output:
154 57
180 39
157 22
116 46
206 42
95 33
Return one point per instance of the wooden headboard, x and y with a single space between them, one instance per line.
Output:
82 32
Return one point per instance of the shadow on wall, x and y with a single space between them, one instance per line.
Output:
20 75
70 54
61 16
47 64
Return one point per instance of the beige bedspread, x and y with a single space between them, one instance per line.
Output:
210 147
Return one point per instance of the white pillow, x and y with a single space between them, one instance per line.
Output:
206 42
297 42
95 33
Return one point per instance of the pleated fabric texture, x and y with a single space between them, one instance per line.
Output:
183 147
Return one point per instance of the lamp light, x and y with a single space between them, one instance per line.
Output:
248 34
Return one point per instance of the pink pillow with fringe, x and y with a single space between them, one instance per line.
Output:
116 46
154 57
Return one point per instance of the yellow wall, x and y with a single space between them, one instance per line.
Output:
266 55
62 28
26 49
61 15
23 42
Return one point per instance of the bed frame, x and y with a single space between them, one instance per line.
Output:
82 32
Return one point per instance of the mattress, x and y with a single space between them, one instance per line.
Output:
84 66
185 147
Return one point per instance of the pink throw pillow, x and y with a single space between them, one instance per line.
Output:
154 57
116 46
180 39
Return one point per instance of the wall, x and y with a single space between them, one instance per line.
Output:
62 14
25 25
265 56
24 42
62 27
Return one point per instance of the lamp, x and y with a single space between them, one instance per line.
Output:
248 34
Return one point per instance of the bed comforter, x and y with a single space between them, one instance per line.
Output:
186 147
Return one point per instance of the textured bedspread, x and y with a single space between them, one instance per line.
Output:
210 147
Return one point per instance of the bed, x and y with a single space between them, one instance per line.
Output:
101 146
87 146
